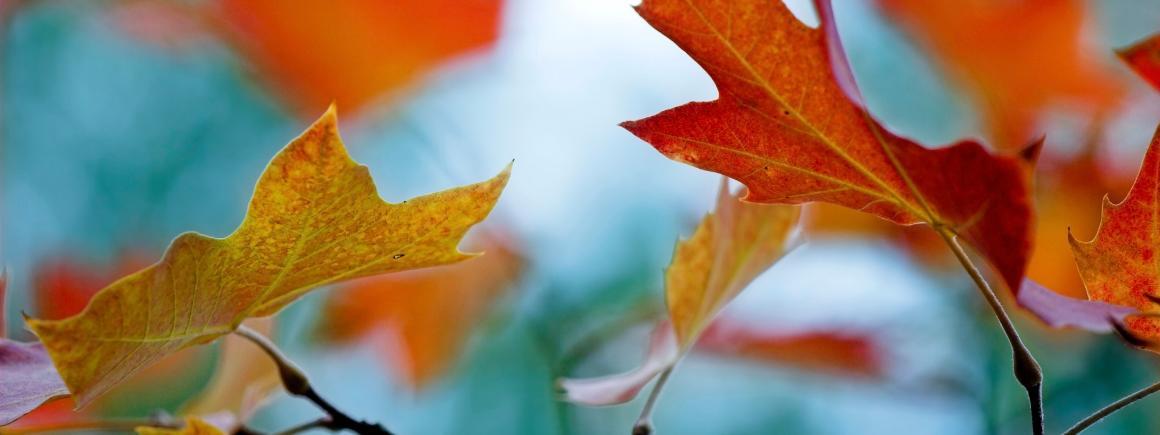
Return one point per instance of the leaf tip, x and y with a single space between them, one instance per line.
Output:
1030 153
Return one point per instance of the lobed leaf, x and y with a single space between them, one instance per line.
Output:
1119 266
315 219
790 125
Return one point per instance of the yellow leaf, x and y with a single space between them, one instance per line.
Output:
193 426
730 248
315 219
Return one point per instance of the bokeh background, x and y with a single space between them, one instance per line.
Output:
125 123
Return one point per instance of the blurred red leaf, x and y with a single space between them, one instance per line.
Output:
1144 57
427 315
1016 58
63 285
840 352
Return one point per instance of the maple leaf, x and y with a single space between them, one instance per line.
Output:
315 219
193 426
427 315
27 377
1144 58
790 125
729 249
1119 266
1038 60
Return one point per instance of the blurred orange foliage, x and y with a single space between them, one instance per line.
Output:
428 315
1015 57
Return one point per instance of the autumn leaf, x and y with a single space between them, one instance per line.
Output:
426 316
1144 57
790 125
193 426
243 381
729 249
1119 266
27 377
1037 61
315 219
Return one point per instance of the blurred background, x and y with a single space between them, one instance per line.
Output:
125 123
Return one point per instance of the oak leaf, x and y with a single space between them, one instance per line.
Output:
315 219
1039 59
729 249
1144 58
789 124
420 320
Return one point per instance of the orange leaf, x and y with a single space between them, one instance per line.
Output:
789 125
429 314
354 51
1120 265
1144 57
730 248
1037 58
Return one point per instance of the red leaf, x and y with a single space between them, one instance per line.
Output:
790 126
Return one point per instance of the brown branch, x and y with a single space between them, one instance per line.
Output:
1113 407
1027 370
297 384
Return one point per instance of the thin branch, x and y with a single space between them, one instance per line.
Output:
1027 370
643 424
1115 406
298 384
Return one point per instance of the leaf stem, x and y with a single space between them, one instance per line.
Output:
1111 408
298 384
643 424
1027 370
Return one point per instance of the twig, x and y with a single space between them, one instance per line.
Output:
1027 370
1113 407
643 424
297 384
